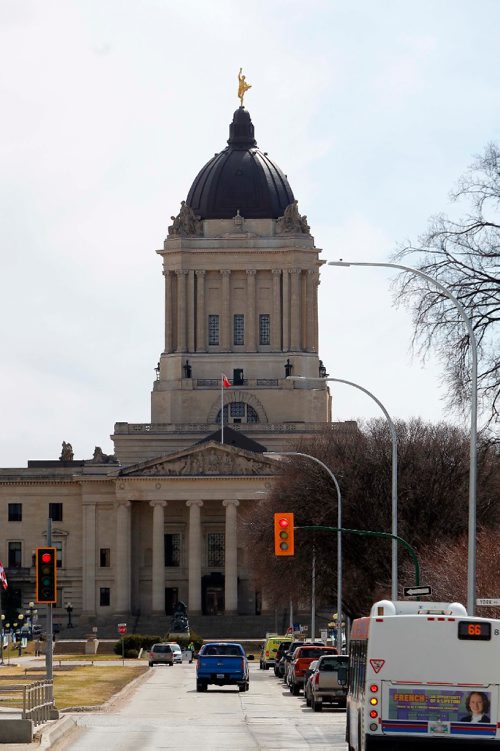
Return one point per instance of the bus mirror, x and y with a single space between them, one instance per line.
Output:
342 676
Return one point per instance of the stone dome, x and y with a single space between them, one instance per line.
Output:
240 178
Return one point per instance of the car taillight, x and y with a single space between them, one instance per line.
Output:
267 653
316 678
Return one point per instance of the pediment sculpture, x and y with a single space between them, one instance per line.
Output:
208 462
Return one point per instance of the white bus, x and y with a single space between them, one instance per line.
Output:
423 675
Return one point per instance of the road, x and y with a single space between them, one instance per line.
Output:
166 712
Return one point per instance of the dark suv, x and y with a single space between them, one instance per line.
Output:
283 647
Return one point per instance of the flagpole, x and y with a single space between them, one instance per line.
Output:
222 408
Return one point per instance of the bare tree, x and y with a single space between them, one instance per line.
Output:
463 255
433 472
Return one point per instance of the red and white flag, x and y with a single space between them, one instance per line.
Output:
3 577
225 381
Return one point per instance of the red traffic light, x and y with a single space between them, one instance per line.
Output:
46 557
284 534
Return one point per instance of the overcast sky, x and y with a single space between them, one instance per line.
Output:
373 108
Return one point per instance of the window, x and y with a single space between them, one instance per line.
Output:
104 596
15 555
213 330
238 329
265 329
172 549
238 412
15 512
56 512
105 557
216 549
59 551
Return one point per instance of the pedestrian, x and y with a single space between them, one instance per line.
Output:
191 651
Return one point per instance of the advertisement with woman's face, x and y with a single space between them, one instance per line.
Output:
439 705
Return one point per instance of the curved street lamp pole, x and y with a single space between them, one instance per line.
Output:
277 454
394 481
471 563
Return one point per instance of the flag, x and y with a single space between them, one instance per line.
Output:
3 578
225 381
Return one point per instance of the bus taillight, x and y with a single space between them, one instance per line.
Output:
373 714
373 701
374 688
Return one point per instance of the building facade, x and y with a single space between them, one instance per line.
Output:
160 521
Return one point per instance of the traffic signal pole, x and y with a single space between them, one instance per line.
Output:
48 650
369 533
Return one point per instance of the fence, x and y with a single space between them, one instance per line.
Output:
38 701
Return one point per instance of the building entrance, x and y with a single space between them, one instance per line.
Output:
171 599
212 587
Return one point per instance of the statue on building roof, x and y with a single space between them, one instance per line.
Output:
243 87
292 222
186 222
67 452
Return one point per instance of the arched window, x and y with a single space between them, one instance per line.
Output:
238 412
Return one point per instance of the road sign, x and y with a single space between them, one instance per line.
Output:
122 628
417 591
487 602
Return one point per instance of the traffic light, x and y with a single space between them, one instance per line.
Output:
283 534
46 575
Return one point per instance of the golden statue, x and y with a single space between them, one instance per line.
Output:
243 87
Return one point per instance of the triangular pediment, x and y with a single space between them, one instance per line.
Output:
210 459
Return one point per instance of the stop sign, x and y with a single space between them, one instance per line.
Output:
122 628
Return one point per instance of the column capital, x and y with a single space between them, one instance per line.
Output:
181 272
276 272
200 272
251 272
119 503
225 272
295 271
194 503
158 503
230 502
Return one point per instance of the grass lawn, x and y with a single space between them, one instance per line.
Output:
81 686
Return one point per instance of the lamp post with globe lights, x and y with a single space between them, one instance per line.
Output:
69 610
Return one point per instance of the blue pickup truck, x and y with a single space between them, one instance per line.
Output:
222 664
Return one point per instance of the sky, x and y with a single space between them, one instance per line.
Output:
110 108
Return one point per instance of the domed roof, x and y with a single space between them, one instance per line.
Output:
240 178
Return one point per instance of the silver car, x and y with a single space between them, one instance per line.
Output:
161 654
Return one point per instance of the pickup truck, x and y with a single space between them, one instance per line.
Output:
222 664
328 682
302 658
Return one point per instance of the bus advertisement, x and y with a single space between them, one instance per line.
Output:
423 671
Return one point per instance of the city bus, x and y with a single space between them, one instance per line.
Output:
423 675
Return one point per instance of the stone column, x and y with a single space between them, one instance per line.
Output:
190 310
123 553
231 558
158 564
295 310
201 322
181 310
311 312
89 555
250 322
168 312
226 312
315 308
276 316
286 310
194 598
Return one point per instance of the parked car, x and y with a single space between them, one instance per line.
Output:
282 648
268 653
328 683
161 654
177 651
307 678
289 657
222 664
302 658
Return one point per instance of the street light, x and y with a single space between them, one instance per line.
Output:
394 481
31 613
471 564
277 454
69 610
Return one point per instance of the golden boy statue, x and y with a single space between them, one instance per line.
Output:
243 86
